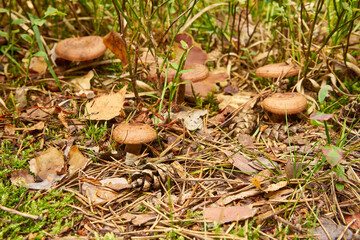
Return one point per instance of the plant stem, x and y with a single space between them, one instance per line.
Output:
327 132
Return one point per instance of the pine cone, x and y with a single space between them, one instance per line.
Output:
245 123
279 131
152 176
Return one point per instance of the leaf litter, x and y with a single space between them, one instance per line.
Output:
195 171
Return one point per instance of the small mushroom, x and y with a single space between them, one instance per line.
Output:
199 73
277 70
281 104
133 135
80 48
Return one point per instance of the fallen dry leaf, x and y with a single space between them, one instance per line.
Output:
332 229
192 119
233 102
38 65
40 113
229 214
355 225
245 140
89 191
9 129
47 184
261 163
49 162
76 160
20 97
275 187
116 44
239 161
239 196
139 219
106 107
231 89
21 177
279 195
116 184
105 194
38 126
83 82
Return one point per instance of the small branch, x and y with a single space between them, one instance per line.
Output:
9 210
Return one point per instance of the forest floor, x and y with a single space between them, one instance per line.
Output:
195 120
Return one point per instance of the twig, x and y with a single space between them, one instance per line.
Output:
9 210
284 221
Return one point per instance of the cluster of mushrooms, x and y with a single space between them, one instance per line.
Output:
134 134
281 104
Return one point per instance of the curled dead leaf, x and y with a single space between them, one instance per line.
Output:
117 45
76 160
49 162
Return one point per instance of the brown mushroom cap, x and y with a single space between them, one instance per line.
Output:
200 72
81 48
285 103
134 133
277 70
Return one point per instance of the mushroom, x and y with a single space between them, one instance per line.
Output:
281 104
277 70
80 48
199 73
133 135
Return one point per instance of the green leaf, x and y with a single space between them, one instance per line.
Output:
184 45
42 48
339 186
3 10
187 70
323 93
3 34
39 22
174 65
40 54
26 37
50 11
18 21
333 154
316 123
340 173
320 116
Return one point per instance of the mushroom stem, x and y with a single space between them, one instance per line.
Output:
133 148
180 93
277 118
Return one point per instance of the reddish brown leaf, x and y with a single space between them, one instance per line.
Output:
350 218
116 44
